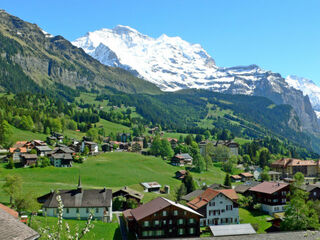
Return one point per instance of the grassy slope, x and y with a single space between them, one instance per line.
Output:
255 218
112 170
101 230
20 135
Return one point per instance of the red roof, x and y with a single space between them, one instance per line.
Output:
268 187
9 210
210 194
284 162
236 176
246 174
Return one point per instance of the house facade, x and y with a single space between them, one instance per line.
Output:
79 203
233 146
288 167
151 187
271 195
163 218
218 207
128 193
93 147
182 159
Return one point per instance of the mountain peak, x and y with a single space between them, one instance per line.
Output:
120 29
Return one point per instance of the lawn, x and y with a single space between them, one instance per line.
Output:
20 135
255 217
100 231
113 170
112 127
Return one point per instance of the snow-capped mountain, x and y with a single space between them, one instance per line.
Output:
308 87
172 64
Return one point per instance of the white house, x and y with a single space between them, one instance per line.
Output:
93 147
218 207
79 203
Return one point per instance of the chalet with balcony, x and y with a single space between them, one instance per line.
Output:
163 218
29 159
218 207
271 195
182 159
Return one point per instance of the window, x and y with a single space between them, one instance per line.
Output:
97 210
170 221
222 210
155 214
87 210
146 223
156 222
180 221
164 222
175 212
77 210
164 213
144 233
229 207
181 231
191 230
284 200
191 220
314 193
150 233
275 200
184 212
170 230
67 210
159 232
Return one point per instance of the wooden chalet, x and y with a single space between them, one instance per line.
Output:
182 159
271 195
163 218
29 159
181 174
128 193
246 176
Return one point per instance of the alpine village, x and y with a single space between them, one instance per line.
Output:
93 150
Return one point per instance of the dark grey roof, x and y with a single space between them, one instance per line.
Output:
62 156
309 187
62 150
43 148
192 195
184 155
242 188
12 228
80 198
218 186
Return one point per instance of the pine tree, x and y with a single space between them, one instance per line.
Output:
227 181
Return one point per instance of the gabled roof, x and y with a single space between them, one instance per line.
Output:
130 192
192 195
62 150
65 156
310 187
12 228
156 205
210 194
29 156
21 149
9 210
80 198
43 148
235 176
151 185
19 144
285 162
268 187
242 188
183 156
246 174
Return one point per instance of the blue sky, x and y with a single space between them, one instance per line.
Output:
278 35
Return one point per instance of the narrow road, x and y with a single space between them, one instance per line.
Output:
122 225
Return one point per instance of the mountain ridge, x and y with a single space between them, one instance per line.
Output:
173 64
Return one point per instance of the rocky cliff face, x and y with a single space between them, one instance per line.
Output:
48 59
173 64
